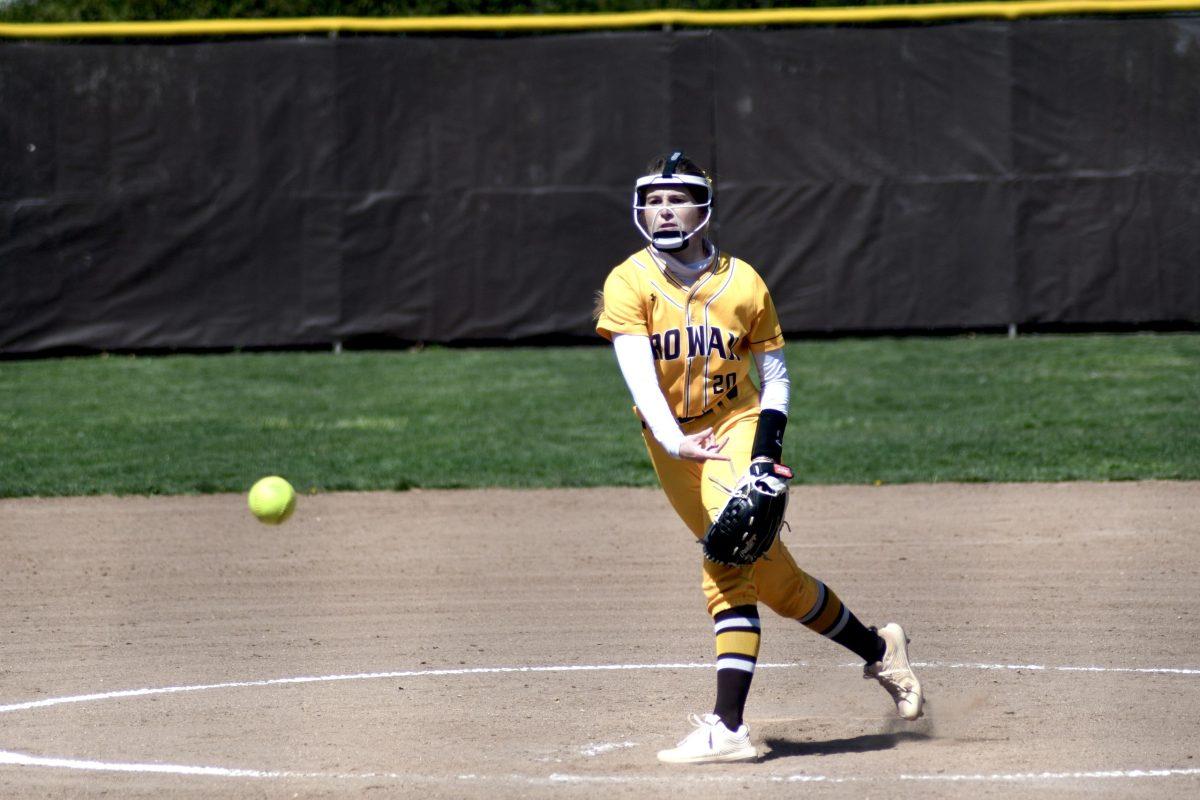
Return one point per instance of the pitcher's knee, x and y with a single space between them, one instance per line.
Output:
719 603
791 607
792 596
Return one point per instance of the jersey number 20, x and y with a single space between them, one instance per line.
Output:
725 383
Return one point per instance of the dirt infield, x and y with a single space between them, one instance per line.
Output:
546 643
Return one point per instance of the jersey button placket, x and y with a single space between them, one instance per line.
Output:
687 323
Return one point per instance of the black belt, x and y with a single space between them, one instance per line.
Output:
685 420
732 395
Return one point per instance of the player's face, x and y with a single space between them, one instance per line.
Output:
666 211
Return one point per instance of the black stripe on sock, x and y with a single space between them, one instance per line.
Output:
861 640
750 612
837 618
824 603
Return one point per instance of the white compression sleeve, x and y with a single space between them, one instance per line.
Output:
776 386
637 367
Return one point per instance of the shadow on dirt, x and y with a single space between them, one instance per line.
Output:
786 748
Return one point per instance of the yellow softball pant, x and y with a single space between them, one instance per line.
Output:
697 491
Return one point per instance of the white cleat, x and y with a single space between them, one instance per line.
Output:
895 674
711 742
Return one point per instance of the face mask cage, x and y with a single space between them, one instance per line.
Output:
670 241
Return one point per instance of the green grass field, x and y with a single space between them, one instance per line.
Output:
1036 408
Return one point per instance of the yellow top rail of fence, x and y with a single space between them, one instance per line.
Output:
595 21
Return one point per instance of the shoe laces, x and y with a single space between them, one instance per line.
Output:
897 680
703 727
893 673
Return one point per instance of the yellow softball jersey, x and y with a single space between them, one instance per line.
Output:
701 336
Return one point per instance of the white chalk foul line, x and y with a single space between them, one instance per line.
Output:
359 676
21 759
1010 777
430 673
1013 777
1043 667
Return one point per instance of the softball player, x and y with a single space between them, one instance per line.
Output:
686 320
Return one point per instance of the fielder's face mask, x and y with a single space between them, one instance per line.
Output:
670 241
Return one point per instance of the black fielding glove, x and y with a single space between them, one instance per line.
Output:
748 524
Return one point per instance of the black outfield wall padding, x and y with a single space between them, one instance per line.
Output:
299 192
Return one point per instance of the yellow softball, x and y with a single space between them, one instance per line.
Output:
272 500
